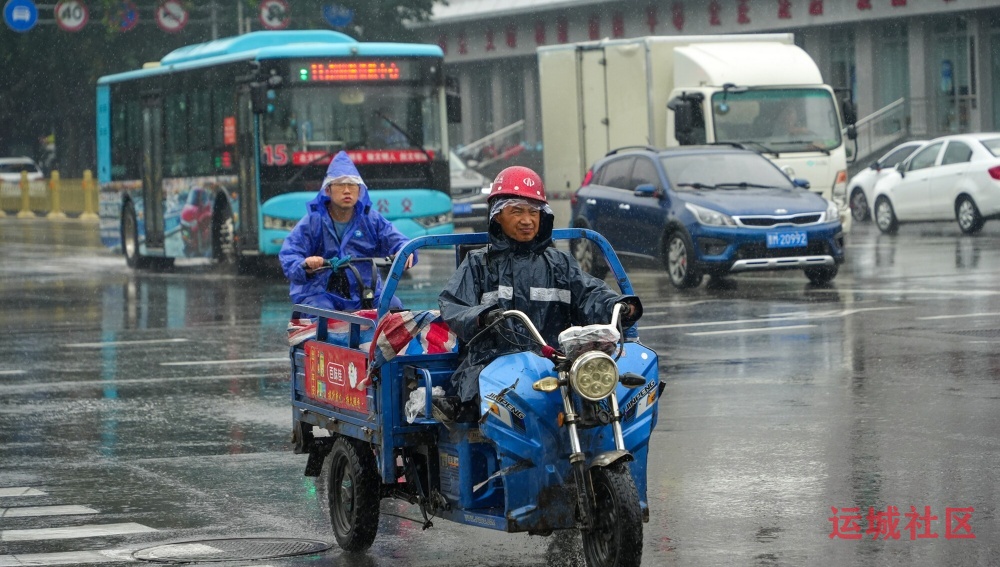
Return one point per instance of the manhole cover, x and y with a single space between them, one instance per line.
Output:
232 549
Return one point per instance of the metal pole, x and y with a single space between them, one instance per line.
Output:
215 23
239 18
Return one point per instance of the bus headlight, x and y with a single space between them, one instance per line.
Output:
594 376
433 220
275 223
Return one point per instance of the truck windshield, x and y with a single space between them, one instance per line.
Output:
333 118
781 120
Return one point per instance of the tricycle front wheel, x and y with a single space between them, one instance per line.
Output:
616 538
353 493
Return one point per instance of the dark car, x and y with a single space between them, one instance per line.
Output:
706 210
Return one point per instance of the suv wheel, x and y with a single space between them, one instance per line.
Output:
588 254
680 262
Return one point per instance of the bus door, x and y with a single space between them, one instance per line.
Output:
152 171
246 159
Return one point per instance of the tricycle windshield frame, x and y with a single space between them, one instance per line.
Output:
452 240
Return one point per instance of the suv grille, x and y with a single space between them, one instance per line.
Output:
760 250
809 218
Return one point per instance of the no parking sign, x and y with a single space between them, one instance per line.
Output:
171 16
274 14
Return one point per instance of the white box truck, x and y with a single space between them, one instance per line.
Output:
664 91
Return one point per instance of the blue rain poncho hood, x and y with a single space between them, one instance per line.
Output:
341 169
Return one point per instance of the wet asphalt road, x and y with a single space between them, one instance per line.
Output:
158 401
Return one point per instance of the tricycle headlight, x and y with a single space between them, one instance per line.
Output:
594 376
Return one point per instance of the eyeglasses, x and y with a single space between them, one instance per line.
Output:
342 186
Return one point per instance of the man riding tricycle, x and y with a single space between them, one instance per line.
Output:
478 412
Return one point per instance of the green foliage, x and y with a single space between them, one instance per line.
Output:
49 75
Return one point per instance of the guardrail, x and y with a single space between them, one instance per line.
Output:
50 198
881 128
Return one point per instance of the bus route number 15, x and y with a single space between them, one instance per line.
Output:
276 154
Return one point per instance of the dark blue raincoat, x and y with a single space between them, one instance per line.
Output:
368 235
545 283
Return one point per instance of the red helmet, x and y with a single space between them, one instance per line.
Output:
518 181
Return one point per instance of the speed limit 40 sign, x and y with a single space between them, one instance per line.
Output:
71 15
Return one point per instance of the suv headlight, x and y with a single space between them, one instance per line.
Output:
433 220
710 217
594 376
275 223
832 212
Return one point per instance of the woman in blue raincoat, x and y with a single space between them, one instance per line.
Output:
340 224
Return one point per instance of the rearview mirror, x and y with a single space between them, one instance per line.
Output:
901 168
799 182
645 190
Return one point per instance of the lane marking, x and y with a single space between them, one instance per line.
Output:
937 317
32 511
11 491
74 532
63 386
907 291
243 361
750 330
797 316
124 343
10 372
68 558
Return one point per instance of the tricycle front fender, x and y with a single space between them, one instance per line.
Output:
608 458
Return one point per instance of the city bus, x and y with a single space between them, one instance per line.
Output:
213 151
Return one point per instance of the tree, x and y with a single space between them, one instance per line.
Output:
50 75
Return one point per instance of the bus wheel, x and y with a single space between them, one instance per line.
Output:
224 235
130 240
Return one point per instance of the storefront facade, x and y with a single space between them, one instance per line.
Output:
941 56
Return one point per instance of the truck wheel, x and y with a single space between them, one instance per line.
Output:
616 538
969 218
821 276
130 240
588 254
885 216
679 260
353 491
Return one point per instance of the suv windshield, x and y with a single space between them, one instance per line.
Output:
722 170
781 120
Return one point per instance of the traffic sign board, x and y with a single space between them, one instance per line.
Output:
338 16
171 16
20 15
128 15
71 15
274 14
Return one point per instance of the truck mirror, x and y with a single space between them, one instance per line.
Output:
850 113
683 120
852 132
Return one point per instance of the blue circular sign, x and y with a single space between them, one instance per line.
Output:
20 15
338 16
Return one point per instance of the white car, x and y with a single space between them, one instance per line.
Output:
862 184
950 178
469 191
11 168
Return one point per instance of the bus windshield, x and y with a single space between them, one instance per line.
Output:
777 120
312 120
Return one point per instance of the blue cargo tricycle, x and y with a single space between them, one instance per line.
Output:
561 440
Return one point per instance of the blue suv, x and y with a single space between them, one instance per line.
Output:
706 210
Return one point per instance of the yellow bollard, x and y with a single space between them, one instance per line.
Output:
54 187
25 212
88 197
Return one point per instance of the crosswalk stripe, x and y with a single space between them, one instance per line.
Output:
74 532
68 558
31 511
12 491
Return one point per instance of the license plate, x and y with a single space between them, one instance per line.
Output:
787 240
461 209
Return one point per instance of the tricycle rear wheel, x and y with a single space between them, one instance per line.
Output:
616 538
353 493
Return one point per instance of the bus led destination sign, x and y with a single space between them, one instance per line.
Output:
350 71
